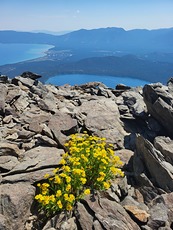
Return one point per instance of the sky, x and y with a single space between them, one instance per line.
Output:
70 15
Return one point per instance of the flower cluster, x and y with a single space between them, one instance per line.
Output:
88 164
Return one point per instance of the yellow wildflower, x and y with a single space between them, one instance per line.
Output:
71 198
106 185
59 204
83 180
62 175
58 193
46 200
69 207
47 175
66 196
100 179
102 174
52 198
45 185
67 169
104 161
87 191
57 180
62 162
68 179
68 187
55 170
39 197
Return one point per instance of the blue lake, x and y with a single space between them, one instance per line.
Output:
110 81
13 53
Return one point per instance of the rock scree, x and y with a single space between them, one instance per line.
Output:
36 121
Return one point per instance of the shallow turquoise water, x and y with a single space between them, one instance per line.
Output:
13 53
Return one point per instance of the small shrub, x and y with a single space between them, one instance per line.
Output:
89 164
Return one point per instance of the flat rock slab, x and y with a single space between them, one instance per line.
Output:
38 158
30 177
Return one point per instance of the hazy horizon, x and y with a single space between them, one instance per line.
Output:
65 32
68 15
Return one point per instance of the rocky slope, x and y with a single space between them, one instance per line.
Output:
35 122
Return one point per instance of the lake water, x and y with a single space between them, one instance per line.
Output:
110 81
13 53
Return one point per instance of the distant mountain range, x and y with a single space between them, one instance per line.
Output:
146 54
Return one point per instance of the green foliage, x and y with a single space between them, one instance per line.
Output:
88 164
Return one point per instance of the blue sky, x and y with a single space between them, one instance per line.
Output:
68 15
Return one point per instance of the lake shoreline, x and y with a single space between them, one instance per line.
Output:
15 53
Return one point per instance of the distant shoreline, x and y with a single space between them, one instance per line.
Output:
15 53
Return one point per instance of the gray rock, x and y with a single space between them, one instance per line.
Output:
25 81
25 134
158 216
46 131
103 91
97 225
48 102
159 103
69 224
34 117
8 162
38 158
61 125
31 75
84 218
130 201
3 90
124 109
28 145
110 214
170 85
55 222
21 103
16 200
12 137
4 79
153 125
126 157
102 118
30 176
40 90
135 103
8 149
36 122
4 223
154 163
46 141
165 146
7 119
